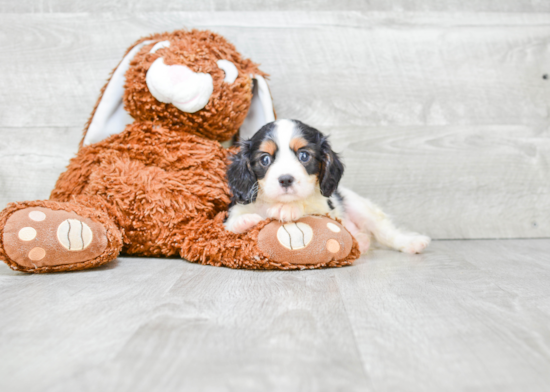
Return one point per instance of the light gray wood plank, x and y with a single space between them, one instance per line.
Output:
64 324
240 330
520 268
339 68
453 182
49 6
153 324
31 160
467 315
464 316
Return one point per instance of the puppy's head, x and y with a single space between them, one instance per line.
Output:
285 161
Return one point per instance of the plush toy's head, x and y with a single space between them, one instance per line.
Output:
193 81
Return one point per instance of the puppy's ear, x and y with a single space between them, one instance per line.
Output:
240 176
332 169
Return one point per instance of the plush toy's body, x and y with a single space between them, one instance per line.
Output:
154 184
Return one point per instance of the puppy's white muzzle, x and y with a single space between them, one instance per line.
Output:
176 84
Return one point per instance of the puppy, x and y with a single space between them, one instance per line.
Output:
288 170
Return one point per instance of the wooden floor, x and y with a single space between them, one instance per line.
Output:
467 315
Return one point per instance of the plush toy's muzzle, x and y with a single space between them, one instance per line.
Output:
176 84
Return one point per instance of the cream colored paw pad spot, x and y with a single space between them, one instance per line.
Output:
37 216
27 234
37 254
295 236
332 227
333 246
74 235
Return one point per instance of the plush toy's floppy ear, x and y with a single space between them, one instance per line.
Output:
110 117
241 178
261 109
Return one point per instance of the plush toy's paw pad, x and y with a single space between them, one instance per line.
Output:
310 240
413 243
37 236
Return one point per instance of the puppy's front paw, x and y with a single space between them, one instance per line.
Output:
285 212
244 223
413 243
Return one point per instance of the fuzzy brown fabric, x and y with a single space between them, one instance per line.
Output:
159 187
151 181
207 242
114 239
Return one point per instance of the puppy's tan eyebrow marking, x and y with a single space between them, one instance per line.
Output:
297 143
268 146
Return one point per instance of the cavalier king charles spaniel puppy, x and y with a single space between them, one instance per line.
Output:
288 170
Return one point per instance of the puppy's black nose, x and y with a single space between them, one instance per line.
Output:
286 180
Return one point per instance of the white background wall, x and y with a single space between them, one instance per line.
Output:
440 108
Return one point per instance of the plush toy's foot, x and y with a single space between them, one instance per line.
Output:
310 241
49 236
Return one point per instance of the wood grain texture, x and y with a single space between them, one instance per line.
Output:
31 160
339 68
467 315
442 117
488 297
456 182
51 6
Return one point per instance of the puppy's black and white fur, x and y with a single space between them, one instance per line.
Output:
288 170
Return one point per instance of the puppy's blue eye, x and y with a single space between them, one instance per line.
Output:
265 160
304 156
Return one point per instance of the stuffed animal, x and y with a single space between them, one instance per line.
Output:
149 178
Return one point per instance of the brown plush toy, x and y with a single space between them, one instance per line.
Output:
149 176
